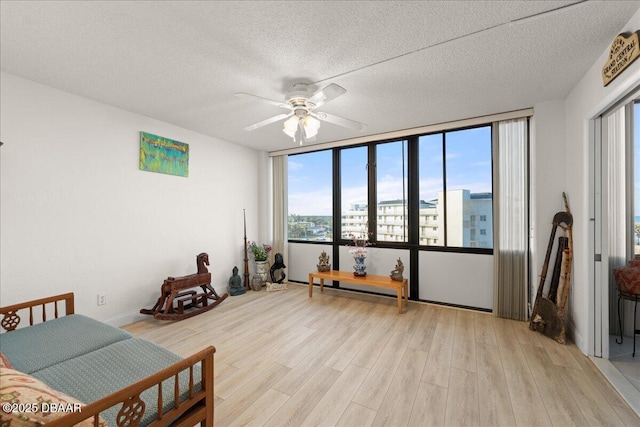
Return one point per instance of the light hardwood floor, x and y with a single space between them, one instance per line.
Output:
349 359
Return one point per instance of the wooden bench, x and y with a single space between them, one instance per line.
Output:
402 288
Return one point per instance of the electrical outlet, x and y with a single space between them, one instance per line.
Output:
102 299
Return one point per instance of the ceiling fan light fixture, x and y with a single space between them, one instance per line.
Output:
302 122
311 126
291 126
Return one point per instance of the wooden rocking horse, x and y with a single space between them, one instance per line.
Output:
179 301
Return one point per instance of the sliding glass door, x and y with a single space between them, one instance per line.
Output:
616 231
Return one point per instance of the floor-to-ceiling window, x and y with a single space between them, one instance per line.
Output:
431 170
420 193
354 190
392 192
468 186
310 193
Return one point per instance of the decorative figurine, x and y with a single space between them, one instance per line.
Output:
323 264
235 284
278 265
396 274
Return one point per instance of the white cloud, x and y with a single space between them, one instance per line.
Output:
294 166
316 202
429 188
389 188
353 195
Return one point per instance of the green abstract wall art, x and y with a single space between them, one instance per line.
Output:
163 155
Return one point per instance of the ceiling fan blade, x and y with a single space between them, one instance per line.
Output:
259 98
326 94
340 121
268 121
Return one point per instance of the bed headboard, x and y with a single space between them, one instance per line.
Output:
11 318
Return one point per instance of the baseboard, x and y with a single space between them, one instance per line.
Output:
577 338
125 319
136 316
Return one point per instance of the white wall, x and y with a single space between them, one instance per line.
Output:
548 179
303 259
78 215
456 278
588 99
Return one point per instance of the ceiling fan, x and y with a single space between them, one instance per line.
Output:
303 121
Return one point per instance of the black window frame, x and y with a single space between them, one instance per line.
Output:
318 242
413 197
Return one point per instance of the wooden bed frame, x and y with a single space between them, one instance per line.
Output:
198 408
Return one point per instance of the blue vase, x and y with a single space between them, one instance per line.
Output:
359 267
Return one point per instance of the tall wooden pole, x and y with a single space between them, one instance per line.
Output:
246 254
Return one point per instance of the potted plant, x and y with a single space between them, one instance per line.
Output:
260 254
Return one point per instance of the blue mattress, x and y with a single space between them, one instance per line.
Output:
45 344
95 375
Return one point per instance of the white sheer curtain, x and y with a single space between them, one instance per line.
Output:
511 219
280 206
615 216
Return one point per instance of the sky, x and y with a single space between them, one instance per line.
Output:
468 163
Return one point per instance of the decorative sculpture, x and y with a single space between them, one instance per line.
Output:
548 315
178 290
396 274
323 264
272 287
235 284
278 265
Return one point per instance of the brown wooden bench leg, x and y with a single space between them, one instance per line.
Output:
405 285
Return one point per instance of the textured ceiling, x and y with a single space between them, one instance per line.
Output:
404 64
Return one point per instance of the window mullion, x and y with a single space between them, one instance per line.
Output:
337 208
372 203
444 187
413 202
413 222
